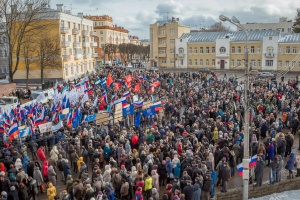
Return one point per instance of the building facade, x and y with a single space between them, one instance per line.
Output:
108 33
3 50
283 26
75 37
134 40
162 41
268 50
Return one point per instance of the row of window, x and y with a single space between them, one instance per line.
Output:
75 25
76 51
82 66
163 32
213 62
77 38
163 41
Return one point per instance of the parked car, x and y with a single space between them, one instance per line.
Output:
254 72
266 74
205 70
2 76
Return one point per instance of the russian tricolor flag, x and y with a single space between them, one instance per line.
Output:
2 130
240 169
126 94
138 104
69 121
142 78
13 131
38 122
157 106
78 86
252 163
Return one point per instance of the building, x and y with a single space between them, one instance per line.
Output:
108 33
75 37
284 26
268 50
3 50
145 42
162 41
134 40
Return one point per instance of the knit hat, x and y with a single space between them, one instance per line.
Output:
12 188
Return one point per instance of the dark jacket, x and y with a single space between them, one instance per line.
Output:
207 184
197 192
290 162
259 170
188 192
226 174
23 194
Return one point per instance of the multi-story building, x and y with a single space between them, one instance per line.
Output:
284 26
3 50
108 33
75 36
268 50
162 41
134 40
145 42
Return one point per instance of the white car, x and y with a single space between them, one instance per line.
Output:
266 74
129 65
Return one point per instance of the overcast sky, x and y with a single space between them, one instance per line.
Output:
136 15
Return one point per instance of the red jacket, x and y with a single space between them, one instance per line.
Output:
41 154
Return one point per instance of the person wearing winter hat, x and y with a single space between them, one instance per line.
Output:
13 194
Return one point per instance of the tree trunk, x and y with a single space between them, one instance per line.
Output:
42 73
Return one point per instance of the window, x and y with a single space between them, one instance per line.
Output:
163 61
287 63
101 39
258 63
289 30
207 62
172 31
293 63
238 62
101 32
280 50
163 51
190 49
196 62
213 62
181 50
232 49
74 39
172 51
181 62
252 63
239 49
172 41
77 69
252 49
232 62
213 49
66 70
163 32
207 49
222 50
195 50
172 60
270 50
79 38
74 25
201 62
287 50
282 29
69 25
269 63
294 50
190 61
201 49
72 69
279 63
79 26
258 49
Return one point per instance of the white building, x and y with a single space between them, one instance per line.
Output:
3 50
284 26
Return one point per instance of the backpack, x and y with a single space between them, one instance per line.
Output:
60 165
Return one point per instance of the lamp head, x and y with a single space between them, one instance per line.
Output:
224 18
235 20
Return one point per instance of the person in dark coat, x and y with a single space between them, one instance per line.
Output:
289 143
162 171
259 171
4 184
263 130
197 192
30 168
290 165
13 194
188 190
271 152
207 185
67 168
225 176
23 192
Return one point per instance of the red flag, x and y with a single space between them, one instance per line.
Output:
109 80
128 78
117 86
137 88
128 84
155 84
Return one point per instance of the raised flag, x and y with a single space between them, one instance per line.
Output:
138 104
137 88
13 131
157 106
109 80
126 94
155 84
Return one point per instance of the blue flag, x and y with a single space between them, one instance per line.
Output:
149 112
137 120
128 111
90 118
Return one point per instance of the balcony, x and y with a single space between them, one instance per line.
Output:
66 57
162 45
65 44
75 31
64 30
95 55
93 44
93 33
162 55
162 36
76 44
269 55
222 55
180 55
86 55
85 33
85 44
78 56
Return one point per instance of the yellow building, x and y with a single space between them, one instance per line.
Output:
74 36
108 33
162 41
268 50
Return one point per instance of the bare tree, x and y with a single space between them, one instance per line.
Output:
122 51
27 55
22 20
218 27
48 53
110 49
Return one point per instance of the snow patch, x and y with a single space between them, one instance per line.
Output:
293 194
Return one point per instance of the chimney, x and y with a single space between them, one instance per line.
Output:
59 7
44 5
80 15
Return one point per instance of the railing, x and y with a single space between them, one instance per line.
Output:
65 44
78 56
85 44
93 44
76 44
93 33
95 55
64 30
85 33
75 31
269 55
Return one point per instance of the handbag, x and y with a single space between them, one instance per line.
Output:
44 187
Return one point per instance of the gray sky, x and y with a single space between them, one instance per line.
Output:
136 15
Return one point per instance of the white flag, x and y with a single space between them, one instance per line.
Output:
85 98
41 97
95 101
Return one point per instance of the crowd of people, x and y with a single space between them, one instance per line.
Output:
184 151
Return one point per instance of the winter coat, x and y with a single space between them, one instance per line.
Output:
271 152
51 192
18 164
124 189
54 153
155 179
41 155
188 192
25 164
207 184
162 171
168 191
37 175
77 191
197 192
23 193
169 167
226 174
80 160
148 183
67 169
259 169
177 170
52 175
45 169
106 152
69 183
106 174
290 162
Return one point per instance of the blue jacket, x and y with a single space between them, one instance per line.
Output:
177 170
106 152
271 152
25 163
290 162
169 166
213 176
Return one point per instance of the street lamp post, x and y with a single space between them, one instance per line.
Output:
246 159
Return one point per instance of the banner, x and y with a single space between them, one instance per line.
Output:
135 98
128 110
137 120
62 116
24 132
90 118
47 127
102 118
149 112
57 126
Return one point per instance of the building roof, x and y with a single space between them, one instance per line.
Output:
289 38
233 35
168 21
